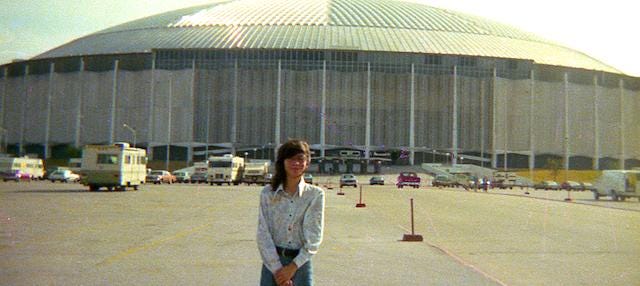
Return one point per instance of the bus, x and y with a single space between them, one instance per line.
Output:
116 166
31 166
225 169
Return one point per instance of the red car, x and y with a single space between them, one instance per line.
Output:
15 175
408 179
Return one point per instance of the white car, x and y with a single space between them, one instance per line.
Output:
64 176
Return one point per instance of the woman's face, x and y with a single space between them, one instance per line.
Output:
296 166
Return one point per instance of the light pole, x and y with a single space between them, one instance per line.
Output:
4 139
255 153
246 154
433 157
447 154
133 132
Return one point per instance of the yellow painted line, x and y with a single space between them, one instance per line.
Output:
152 244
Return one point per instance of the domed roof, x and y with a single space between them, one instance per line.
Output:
358 25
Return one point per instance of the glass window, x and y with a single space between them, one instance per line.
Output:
107 159
217 164
127 159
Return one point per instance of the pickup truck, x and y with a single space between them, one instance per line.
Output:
408 179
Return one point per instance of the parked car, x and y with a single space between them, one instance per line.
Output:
570 186
484 183
64 176
442 181
160 177
308 178
348 180
547 185
198 178
15 175
376 180
410 179
586 186
182 176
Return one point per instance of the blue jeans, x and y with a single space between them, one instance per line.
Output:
303 276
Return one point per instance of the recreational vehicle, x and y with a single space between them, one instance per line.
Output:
113 166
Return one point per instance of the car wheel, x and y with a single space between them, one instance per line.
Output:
614 196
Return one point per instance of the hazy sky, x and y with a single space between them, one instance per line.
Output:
605 30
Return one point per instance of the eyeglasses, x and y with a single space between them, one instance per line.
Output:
298 158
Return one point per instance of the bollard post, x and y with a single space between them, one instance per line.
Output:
568 198
413 236
340 192
360 204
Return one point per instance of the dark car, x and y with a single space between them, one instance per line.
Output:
376 180
442 181
586 186
570 186
15 175
547 185
198 178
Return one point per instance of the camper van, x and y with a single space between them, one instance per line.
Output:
617 184
116 166
225 169
32 167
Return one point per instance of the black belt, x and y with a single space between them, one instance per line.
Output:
287 252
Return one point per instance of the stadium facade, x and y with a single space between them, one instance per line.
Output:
423 83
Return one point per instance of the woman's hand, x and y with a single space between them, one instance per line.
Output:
284 274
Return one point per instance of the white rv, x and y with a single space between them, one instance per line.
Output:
113 166
32 166
225 169
256 172
617 184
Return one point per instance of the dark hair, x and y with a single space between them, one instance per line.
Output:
287 150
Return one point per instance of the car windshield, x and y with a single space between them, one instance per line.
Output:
156 173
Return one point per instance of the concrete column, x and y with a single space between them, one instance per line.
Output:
622 129
494 150
81 80
367 131
150 129
596 128
323 109
5 133
192 94
170 107
23 112
234 110
482 114
505 130
454 135
567 149
47 123
532 109
412 115
114 93
278 99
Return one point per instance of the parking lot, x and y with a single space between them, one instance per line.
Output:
61 234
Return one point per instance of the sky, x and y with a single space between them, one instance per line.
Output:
605 30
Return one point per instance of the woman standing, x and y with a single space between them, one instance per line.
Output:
291 220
